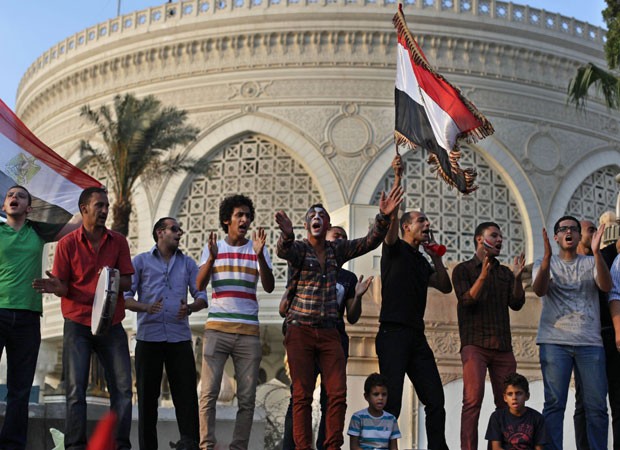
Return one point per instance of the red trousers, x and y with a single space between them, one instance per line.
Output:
304 347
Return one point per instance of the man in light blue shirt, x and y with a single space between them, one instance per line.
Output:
161 281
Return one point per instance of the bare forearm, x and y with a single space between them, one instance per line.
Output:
133 305
354 309
266 274
204 275
603 277
541 282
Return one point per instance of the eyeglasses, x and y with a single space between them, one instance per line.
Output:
565 228
175 229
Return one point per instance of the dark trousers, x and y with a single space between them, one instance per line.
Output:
113 352
403 350
20 335
613 385
178 358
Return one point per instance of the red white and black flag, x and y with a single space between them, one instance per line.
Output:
433 114
55 184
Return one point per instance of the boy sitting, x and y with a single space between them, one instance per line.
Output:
373 428
516 427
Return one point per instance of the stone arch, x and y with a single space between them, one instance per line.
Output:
300 147
254 165
455 216
581 170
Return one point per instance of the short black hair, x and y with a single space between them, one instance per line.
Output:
480 229
88 193
340 228
19 186
563 218
229 204
404 220
517 380
373 380
160 225
317 205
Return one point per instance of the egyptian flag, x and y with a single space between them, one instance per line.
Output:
433 114
55 184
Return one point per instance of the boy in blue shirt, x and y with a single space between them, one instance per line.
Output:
373 428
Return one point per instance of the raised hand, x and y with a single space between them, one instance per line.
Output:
212 242
596 238
518 265
389 204
548 251
51 285
362 286
486 267
284 223
397 166
155 307
259 238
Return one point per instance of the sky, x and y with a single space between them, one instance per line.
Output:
28 28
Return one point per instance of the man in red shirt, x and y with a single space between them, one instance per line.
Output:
79 258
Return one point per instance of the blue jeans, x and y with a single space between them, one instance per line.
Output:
113 353
20 335
557 363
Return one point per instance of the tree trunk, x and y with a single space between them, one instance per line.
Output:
121 213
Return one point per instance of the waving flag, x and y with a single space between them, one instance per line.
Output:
55 184
433 114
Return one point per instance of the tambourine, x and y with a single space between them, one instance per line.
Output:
106 296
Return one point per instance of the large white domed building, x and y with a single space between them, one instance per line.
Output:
294 99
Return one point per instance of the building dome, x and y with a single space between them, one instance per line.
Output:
295 103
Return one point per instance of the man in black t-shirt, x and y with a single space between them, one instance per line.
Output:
401 344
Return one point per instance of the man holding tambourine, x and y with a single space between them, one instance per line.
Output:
83 257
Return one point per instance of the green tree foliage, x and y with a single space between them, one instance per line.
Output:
140 136
590 75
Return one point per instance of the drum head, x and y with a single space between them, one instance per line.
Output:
104 302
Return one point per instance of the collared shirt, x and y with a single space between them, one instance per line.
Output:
78 264
485 321
315 299
154 279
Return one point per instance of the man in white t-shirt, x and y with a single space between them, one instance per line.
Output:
233 265
569 332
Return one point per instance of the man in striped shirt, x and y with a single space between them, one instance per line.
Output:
234 265
313 314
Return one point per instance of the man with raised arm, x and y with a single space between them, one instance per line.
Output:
486 291
21 306
312 316
400 343
233 265
163 277
569 332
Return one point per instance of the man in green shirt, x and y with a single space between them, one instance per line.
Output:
21 251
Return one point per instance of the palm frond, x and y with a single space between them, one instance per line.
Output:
605 83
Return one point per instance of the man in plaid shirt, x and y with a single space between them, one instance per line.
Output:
313 313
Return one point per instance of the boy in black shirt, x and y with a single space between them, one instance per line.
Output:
517 427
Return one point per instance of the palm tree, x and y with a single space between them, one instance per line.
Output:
139 141
590 75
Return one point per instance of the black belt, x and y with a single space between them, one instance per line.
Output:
329 323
